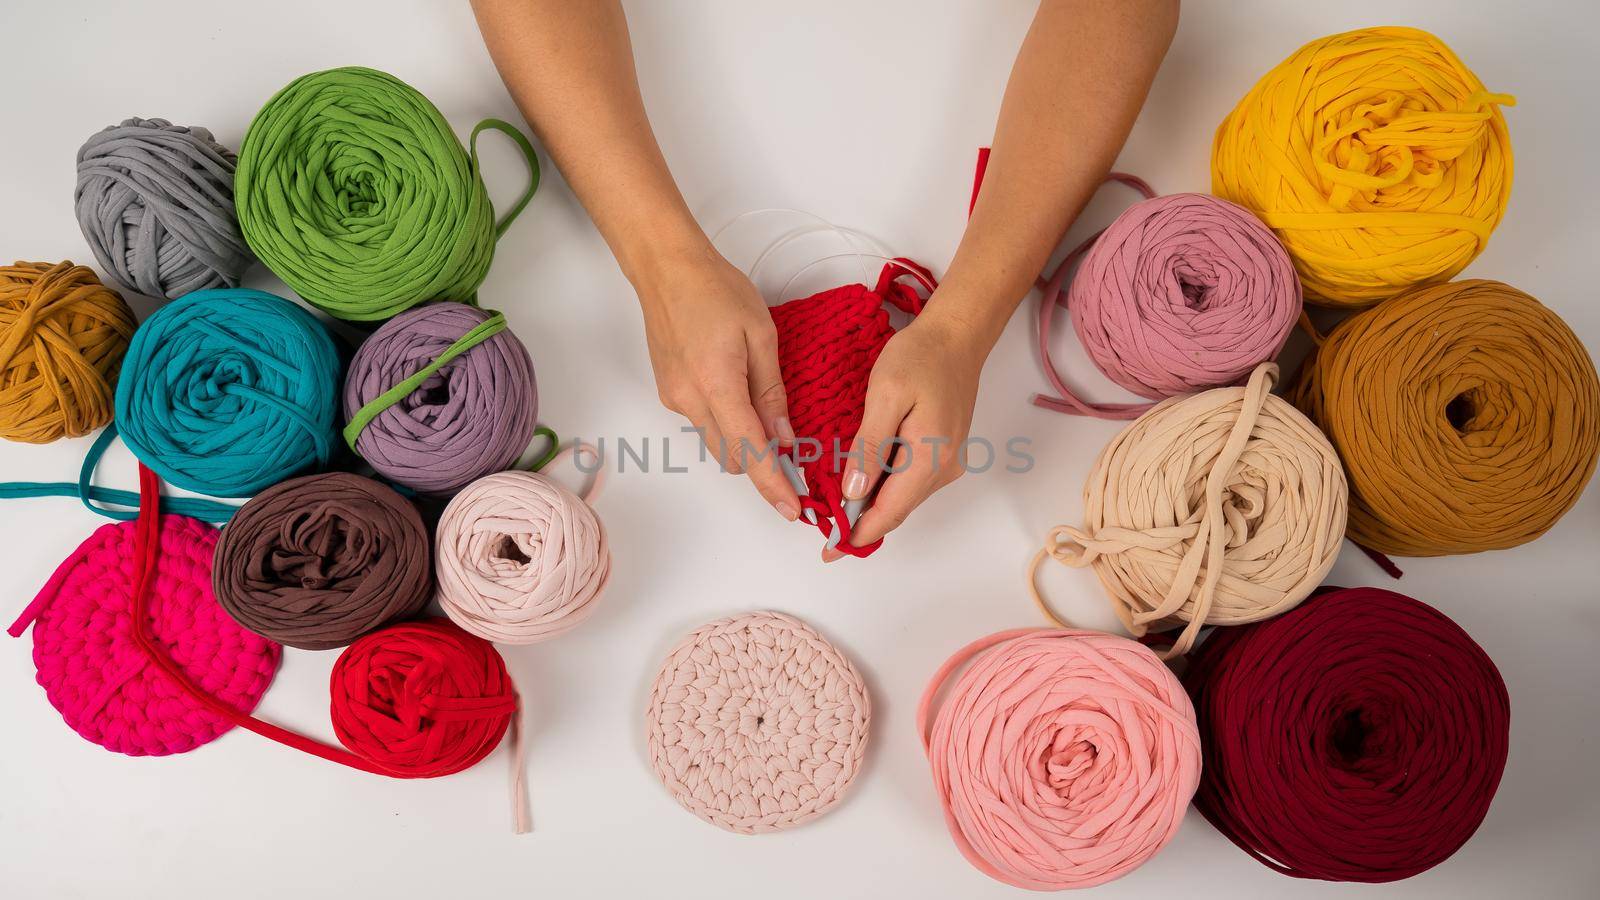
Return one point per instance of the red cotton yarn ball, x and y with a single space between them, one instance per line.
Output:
827 344
108 689
421 699
1358 737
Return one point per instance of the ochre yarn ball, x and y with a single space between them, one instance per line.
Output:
1220 508
1062 758
318 561
1467 416
1360 737
62 338
155 202
97 675
756 723
1376 155
421 699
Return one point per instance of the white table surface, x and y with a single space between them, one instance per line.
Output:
869 114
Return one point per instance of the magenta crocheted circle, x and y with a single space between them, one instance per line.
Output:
95 675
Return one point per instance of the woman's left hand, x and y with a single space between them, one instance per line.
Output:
919 407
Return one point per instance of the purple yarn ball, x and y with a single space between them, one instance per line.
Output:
474 416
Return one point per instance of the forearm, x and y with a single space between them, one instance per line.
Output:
1076 87
569 66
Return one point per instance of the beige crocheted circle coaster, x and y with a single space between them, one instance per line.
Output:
756 723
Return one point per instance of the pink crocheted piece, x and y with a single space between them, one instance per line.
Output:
95 675
757 723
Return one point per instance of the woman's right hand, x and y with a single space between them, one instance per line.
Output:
715 354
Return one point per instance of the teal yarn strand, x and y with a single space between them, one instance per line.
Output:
230 390
352 188
114 503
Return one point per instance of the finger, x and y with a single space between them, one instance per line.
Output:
902 492
710 435
749 448
766 388
871 447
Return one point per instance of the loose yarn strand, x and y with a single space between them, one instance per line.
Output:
481 332
108 499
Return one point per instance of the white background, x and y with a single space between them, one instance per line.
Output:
869 114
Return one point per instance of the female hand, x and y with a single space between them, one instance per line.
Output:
919 408
715 354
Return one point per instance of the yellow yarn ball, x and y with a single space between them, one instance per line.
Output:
62 338
1378 158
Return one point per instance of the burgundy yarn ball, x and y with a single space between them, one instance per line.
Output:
1358 737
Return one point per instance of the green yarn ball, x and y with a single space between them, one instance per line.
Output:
353 189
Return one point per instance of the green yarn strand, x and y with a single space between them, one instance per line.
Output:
490 327
523 144
353 189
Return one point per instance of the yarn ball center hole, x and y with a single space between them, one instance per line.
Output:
509 549
1068 757
322 555
433 392
1195 284
1461 410
1362 738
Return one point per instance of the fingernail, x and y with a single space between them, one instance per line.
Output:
855 484
829 554
785 430
787 510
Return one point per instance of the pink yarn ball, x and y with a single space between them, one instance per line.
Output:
105 687
1180 294
1063 758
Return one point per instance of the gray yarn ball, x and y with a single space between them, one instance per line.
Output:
155 202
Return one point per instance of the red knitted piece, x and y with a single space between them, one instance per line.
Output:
827 344
95 673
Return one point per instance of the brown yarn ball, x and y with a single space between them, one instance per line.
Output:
318 561
62 338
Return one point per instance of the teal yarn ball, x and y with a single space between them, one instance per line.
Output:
227 391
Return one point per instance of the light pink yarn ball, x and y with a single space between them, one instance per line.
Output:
756 723
519 558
